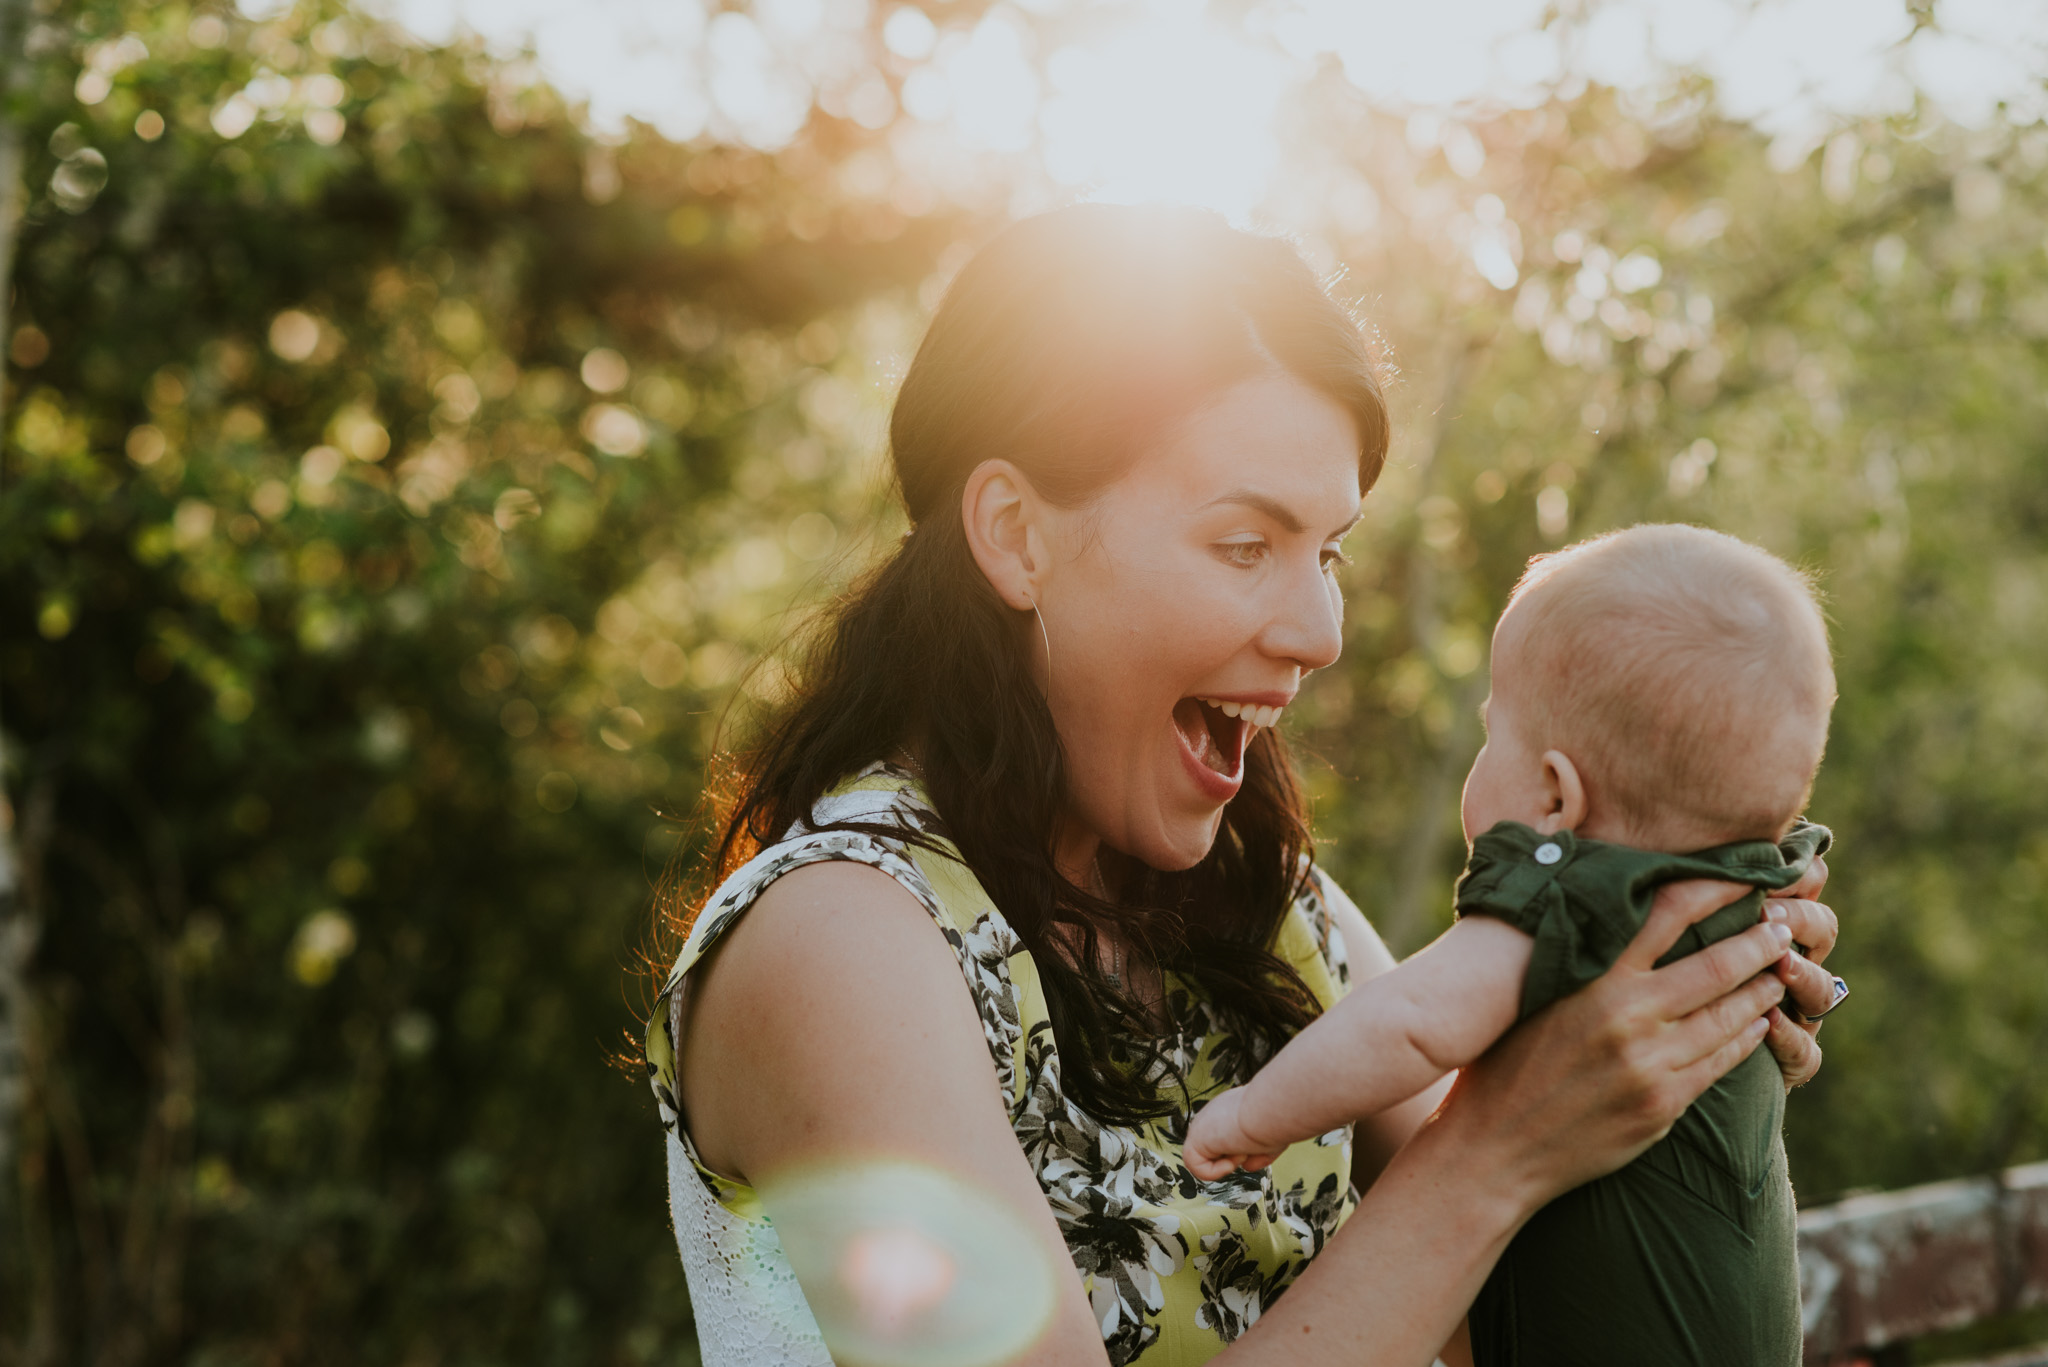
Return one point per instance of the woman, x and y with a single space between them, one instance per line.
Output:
1022 873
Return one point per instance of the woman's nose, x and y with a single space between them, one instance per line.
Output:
1309 626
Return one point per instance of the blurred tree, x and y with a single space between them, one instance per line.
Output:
16 931
397 483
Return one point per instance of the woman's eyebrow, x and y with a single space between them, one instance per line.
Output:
1278 511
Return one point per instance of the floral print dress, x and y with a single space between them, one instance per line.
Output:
1174 1267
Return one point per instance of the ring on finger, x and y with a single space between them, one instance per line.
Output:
1838 992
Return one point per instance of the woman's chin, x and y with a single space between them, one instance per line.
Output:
1169 825
1179 845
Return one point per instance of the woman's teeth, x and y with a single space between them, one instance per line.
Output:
1251 712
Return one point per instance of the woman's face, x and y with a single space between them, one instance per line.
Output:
1199 585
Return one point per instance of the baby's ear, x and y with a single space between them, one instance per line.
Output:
1565 794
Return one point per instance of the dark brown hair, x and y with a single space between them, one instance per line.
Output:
1065 346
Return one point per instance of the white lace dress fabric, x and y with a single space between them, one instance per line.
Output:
750 1311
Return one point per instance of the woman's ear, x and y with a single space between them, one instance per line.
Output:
1002 514
1565 794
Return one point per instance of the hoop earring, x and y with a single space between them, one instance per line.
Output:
1047 640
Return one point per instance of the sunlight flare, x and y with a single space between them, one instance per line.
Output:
1171 108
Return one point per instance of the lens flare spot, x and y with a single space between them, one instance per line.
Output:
908 1266
894 1275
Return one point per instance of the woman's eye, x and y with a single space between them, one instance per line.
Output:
1333 556
1245 553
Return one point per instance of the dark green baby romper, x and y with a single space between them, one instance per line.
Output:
1686 1257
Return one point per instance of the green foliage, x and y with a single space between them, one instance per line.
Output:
399 484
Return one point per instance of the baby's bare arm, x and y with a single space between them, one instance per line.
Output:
1390 1038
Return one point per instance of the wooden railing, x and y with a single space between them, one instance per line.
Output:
1877 1272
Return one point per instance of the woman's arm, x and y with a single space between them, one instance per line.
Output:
832 1025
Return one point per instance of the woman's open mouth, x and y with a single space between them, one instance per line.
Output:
1214 735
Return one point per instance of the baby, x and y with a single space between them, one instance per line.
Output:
1655 691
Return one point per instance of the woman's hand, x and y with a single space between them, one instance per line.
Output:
1567 1096
1593 1080
1795 1043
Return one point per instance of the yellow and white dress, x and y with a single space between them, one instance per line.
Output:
1174 1267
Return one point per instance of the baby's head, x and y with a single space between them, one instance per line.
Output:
1665 687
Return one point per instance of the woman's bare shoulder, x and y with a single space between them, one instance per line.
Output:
820 1012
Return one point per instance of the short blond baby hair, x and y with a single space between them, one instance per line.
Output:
1686 674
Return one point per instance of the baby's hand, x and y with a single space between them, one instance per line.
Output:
1217 1144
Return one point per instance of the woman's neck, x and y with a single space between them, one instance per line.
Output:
1076 852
